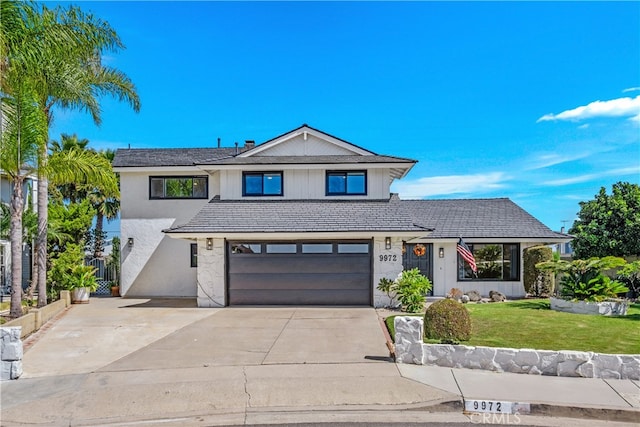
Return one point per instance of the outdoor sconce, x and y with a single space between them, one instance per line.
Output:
387 242
441 252
130 241
209 243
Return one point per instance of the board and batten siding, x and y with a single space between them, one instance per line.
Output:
304 184
298 146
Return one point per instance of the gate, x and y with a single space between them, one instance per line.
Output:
106 275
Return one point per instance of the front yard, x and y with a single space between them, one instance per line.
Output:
532 324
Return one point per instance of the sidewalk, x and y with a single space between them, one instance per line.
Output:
124 362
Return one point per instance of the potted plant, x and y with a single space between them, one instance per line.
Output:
81 281
115 289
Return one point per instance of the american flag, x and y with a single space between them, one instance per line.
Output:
466 254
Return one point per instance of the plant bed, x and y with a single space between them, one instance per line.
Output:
532 324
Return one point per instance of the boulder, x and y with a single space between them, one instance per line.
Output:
496 296
474 296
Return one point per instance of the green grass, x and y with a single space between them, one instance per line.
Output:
532 324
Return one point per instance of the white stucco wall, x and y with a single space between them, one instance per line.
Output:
388 267
445 275
211 289
156 265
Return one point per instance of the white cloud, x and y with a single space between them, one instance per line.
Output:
631 89
452 184
591 177
619 107
552 159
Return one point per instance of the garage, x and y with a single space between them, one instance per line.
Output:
299 273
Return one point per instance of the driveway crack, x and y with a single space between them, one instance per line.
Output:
246 391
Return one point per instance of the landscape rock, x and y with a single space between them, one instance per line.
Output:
474 296
496 296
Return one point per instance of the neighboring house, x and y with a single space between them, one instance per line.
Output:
304 218
30 193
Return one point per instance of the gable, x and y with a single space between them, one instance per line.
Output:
306 141
298 146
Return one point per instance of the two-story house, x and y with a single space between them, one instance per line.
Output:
304 218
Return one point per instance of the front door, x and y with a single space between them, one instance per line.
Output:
420 256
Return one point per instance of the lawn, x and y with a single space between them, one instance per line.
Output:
532 324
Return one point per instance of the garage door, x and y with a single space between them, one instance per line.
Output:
299 273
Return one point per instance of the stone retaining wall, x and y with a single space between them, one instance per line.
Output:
410 348
10 353
32 321
605 308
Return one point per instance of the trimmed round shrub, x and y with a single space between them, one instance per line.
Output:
448 321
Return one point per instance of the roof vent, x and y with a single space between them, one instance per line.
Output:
249 144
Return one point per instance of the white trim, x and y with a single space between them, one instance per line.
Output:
295 235
160 169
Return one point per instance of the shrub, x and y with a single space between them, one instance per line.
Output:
448 321
410 288
536 281
584 280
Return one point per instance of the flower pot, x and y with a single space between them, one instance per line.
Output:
80 295
115 291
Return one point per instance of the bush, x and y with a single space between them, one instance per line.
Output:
410 288
584 280
448 321
538 282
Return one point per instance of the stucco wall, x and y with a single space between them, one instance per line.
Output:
211 289
387 263
445 275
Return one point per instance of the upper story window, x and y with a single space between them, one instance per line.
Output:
495 261
346 183
178 187
262 183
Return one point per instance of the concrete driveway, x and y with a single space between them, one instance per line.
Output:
124 361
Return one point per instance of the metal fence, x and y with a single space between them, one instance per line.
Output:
106 275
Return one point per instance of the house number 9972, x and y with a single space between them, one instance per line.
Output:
388 258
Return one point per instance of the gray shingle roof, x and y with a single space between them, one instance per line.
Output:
480 218
467 218
288 216
141 157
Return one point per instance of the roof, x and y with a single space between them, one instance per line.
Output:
467 218
479 218
141 157
289 216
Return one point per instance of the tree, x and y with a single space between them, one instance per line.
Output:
609 225
68 142
58 52
106 202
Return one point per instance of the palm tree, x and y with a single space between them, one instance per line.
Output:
57 52
67 142
23 134
107 205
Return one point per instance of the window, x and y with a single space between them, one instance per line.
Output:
346 183
246 248
317 248
262 183
178 187
194 255
494 262
281 248
353 248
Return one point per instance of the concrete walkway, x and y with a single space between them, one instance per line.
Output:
165 362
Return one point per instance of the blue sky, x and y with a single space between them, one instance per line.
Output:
538 102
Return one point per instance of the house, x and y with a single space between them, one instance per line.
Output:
304 218
29 190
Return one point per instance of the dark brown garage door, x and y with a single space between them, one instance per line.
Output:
299 273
